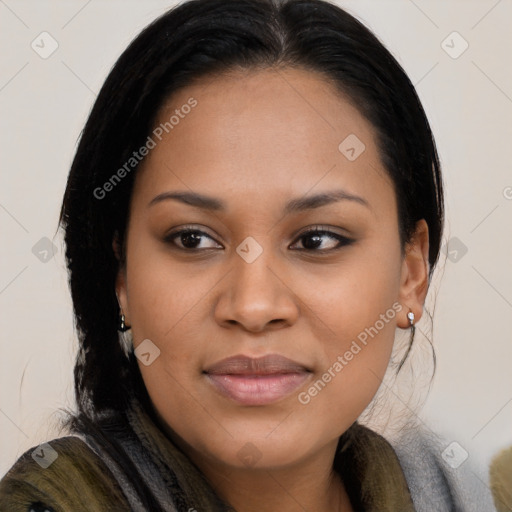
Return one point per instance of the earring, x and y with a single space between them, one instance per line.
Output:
125 338
410 317
122 327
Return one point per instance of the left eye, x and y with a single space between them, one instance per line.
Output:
316 238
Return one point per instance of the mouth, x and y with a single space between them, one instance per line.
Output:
257 381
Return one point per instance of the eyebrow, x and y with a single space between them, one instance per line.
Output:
293 206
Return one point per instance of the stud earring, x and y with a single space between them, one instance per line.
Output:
410 316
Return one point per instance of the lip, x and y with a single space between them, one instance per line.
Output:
257 381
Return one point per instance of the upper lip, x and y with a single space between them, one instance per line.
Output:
265 365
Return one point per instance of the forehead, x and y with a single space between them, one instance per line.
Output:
255 132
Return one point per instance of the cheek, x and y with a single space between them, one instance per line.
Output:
165 308
343 391
163 295
361 314
356 312
355 300
161 302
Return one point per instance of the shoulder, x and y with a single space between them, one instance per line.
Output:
440 475
61 475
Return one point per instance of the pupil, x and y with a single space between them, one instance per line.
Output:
317 241
191 238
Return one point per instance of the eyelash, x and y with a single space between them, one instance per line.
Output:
343 241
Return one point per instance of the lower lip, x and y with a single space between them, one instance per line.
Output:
257 389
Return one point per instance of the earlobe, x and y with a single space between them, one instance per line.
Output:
414 280
121 290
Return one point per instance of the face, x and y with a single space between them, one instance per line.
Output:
266 309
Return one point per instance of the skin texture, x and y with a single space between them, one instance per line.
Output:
256 140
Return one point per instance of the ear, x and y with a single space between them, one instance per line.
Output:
414 279
121 291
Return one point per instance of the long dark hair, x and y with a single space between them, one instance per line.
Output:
192 40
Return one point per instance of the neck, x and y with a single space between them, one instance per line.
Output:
310 485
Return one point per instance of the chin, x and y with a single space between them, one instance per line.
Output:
259 455
259 449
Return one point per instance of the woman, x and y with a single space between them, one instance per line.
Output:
256 205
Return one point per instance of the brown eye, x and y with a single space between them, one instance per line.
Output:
190 239
324 239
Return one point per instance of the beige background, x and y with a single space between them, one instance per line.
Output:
44 104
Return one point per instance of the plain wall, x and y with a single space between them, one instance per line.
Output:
45 102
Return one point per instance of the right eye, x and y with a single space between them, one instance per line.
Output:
189 239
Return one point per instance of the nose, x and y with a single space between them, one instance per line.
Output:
257 296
